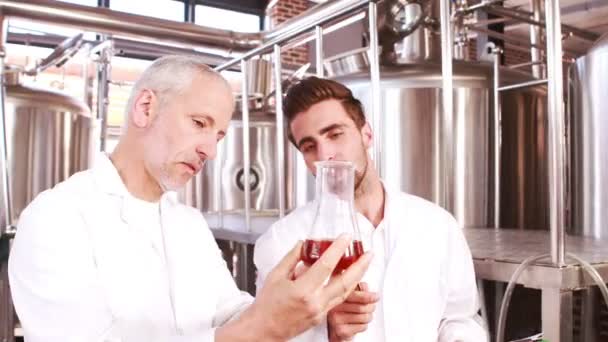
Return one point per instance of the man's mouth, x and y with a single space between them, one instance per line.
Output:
194 168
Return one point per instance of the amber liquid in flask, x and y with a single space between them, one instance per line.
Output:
335 214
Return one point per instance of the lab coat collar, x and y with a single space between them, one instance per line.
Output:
108 180
107 177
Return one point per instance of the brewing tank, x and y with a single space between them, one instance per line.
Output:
588 108
219 187
49 136
411 132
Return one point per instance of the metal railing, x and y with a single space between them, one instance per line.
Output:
556 131
342 9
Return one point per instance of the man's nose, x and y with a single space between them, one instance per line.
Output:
207 149
326 152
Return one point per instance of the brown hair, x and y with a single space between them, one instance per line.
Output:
312 90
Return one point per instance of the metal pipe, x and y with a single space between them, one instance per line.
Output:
523 85
535 39
64 51
317 15
513 40
556 130
470 9
513 14
516 47
104 70
319 50
522 65
280 127
123 47
246 156
327 12
374 66
447 97
6 214
497 136
106 21
328 28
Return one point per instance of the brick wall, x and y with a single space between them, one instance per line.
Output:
282 10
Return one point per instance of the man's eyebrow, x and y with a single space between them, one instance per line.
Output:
206 117
321 132
331 127
304 141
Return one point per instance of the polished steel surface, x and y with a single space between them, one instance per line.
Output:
5 199
524 189
348 62
412 40
527 18
246 145
301 25
259 76
446 123
536 34
104 75
319 56
104 20
498 252
50 136
588 109
219 188
523 85
556 131
411 107
280 127
412 136
515 245
64 51
374 74
497 127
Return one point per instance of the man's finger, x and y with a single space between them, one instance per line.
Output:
347 332
285 268
362 297
343 318
300 269
315 277
355 308
340 287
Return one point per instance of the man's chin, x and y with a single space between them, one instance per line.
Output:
175 185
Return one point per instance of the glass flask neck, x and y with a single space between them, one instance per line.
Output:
335 201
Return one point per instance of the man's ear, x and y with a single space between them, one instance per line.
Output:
144 108
368 135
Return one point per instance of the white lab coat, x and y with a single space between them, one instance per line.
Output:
428 292
80 271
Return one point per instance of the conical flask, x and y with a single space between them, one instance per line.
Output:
335 187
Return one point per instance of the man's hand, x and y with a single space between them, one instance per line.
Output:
352 317
284 307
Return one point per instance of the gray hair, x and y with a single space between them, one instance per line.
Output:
169 76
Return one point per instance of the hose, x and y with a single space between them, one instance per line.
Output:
504 307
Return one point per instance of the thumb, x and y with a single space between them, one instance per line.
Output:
285 268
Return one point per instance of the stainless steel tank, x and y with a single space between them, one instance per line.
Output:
50 136
411 132
588 109
524 186
219 186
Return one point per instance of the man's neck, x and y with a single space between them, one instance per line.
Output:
369 197
133 173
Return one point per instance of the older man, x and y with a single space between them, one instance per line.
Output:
110 255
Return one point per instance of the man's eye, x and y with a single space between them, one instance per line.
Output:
307 148
335 135
199 123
